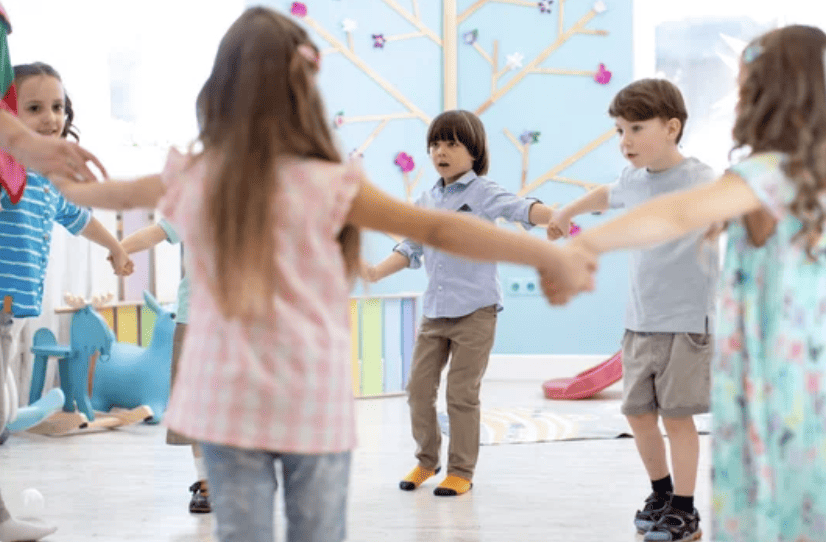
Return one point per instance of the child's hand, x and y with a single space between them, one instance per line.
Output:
368 272
559 226
561 283
121 263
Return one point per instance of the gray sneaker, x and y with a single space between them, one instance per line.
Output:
655 504
675 526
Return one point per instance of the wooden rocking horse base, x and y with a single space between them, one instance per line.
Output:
62 423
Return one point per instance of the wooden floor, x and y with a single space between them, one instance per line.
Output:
127 485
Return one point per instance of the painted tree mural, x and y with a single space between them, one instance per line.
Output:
505 76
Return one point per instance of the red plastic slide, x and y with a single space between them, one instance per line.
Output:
586 383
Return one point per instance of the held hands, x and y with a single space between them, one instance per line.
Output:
563 280
559 226
122 265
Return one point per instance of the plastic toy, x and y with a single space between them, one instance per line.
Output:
586 383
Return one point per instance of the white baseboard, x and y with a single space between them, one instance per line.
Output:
536 367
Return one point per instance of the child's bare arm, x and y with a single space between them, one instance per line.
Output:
472 238
142 192
392 264
540 214
95 232
143 239
48 155
672 216
594 201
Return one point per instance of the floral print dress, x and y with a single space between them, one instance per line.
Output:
769 377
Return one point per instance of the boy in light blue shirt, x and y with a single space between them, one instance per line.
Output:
460 303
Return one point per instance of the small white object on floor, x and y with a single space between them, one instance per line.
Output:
33 502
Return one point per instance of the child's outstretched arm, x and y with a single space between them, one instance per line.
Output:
95 232
144 239
390 265
564 272
672 216
117 195
48 155
594 201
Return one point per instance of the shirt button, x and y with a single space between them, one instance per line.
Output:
440 288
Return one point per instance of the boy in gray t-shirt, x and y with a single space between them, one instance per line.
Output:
667 348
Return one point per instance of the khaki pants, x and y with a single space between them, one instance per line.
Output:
467 340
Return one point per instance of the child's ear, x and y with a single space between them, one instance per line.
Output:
674 127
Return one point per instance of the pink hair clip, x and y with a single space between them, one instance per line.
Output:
309 53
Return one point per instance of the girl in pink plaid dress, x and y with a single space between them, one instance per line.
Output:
271 215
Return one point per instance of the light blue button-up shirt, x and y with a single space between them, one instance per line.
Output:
26 238
458 287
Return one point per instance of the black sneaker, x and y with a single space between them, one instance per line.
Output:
675 526
650 514
199 504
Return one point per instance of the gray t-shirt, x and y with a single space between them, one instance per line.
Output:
672 285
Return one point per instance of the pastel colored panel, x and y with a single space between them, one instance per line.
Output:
108 316
372 381
138 281
354 346
148 317
392 340
408 336
127 331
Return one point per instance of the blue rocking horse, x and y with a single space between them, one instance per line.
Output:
89 335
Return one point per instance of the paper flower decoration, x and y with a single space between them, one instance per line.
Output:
405 161
603 76
529 138
599 6
514 60
379 41
471 36
338 119
574 230
298 9
349 25
545 6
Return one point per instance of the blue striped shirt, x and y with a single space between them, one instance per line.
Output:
25 240
457 287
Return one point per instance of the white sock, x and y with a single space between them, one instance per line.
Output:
200 468
14 530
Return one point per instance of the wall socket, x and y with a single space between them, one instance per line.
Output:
522 286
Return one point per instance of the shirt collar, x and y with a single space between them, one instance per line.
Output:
465 179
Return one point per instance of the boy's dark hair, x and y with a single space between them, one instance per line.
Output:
467 129
648 99
24 71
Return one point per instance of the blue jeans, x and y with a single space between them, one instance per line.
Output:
242 487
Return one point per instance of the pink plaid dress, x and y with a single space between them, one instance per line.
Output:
287 387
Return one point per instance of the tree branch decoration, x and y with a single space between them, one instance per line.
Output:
348 25
514 60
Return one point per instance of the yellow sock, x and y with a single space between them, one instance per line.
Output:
453 485
415 477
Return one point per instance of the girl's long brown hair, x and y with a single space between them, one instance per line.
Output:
259 104
782 107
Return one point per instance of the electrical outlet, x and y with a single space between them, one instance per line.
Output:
522 287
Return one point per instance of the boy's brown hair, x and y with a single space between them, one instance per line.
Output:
648 99
467 129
